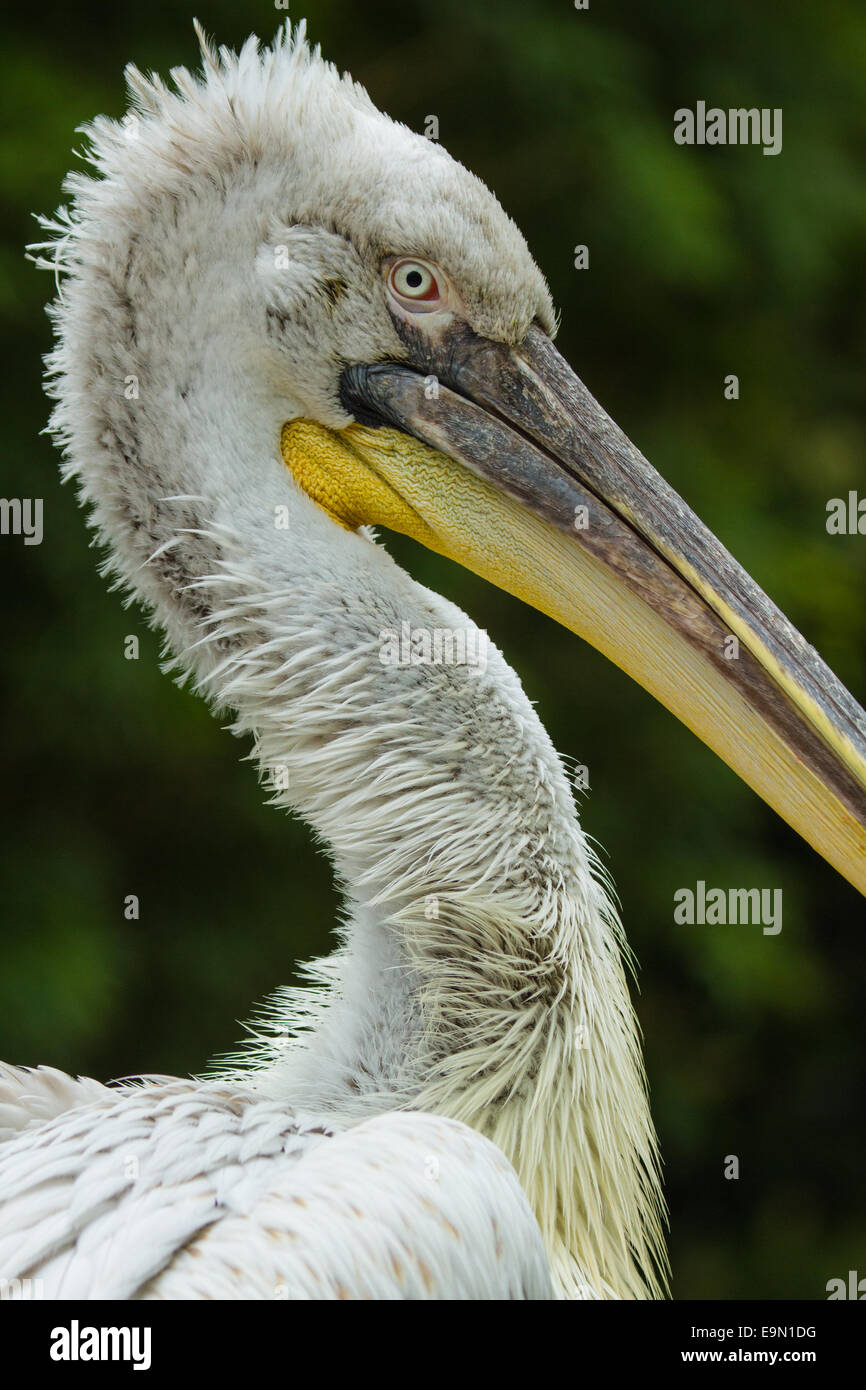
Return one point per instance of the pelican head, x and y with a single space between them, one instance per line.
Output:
336 269
284 319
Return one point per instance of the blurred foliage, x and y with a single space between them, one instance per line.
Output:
703 261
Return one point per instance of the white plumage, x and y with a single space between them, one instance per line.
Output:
185 1190
429 1121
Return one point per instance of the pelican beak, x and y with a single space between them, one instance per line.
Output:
499 457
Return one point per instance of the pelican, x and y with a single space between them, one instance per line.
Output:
284 320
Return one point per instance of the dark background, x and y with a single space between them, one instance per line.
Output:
702 262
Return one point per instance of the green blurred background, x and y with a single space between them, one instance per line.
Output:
702 262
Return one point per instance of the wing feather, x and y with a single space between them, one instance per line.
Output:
184 1190
31 1095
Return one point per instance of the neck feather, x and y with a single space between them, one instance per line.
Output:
480 974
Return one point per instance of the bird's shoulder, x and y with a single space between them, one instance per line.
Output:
185 1189
29 1096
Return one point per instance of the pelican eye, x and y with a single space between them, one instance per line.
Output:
414 285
